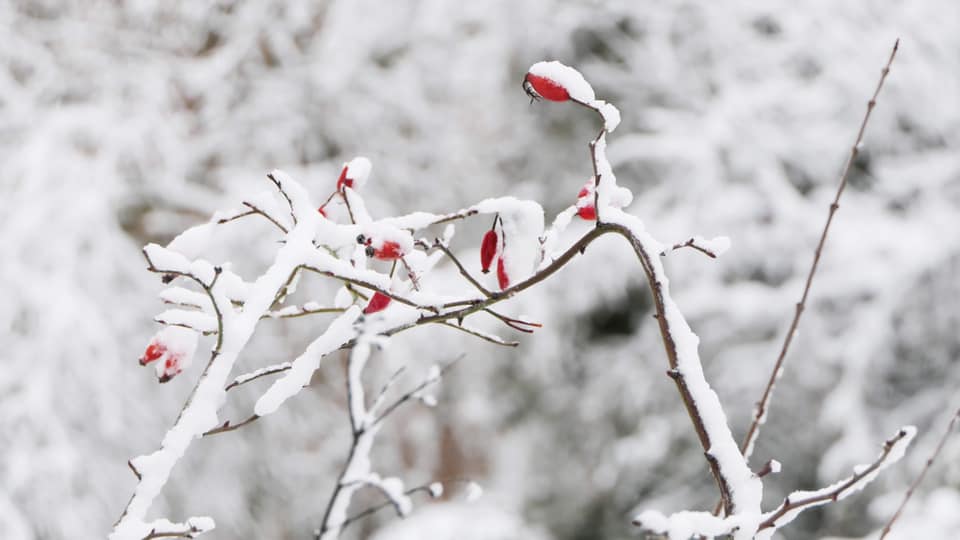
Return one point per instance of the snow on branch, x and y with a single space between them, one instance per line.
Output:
798 501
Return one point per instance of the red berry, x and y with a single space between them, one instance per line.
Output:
488 249
502 276
343 180
171 368
389 251
545 88
322 211
154 351
588 213
379 302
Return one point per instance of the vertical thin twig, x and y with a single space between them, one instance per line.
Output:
761 410
923 472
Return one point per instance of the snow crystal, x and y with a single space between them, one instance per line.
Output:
473 492
567 77
435 489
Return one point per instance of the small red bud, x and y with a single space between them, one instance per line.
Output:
488 249
537 86
154 351
379 302
588 213
322 211
502 276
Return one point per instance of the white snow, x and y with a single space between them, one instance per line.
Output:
358 170
339 332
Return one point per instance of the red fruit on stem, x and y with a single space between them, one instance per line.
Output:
537 86
343 180
171 368
322 211
502 276
389 251
154 351
488 250
588 213
379 302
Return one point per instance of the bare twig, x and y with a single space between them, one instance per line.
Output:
248 377
516 324
227 426
692 243
416 391
277 183
761 409
923 472
374 509
255 209
794 506
437 244
234 217
482 335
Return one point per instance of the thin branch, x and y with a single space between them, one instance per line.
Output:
789 505
692 243
234 217
516 324
254 375
482 335
437 244
761 409
227 426
277 183
923 472
454 217
374 509
256 210
293 312
415 392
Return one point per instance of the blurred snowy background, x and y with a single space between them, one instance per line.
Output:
124 122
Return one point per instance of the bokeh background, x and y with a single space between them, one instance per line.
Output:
124 122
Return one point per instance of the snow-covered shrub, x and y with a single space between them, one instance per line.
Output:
389 272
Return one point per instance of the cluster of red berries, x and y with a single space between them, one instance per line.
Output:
171 364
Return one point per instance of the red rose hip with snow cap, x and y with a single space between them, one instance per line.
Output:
354 174
554 81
